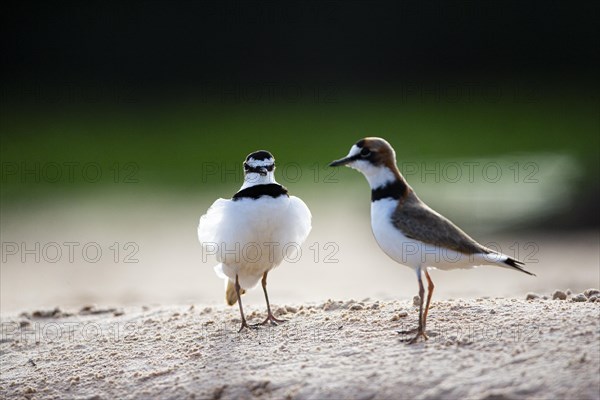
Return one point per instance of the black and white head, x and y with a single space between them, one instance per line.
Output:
375 158
259 168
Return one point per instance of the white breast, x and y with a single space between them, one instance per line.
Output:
410 252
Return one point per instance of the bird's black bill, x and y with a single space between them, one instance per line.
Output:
342 161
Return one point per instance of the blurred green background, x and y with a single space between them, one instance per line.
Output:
198 146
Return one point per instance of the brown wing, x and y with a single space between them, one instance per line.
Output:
417 221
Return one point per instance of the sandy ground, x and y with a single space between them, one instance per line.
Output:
483 348
146 340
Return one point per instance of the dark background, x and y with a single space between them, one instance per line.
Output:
156 44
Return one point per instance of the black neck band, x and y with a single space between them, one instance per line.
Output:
257 191
391 190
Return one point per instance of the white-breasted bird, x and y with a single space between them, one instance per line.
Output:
409 231
253 232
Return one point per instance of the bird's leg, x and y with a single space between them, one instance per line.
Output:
420 329
270 317
430 288
237 290
415 329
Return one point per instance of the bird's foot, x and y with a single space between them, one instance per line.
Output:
270 320
245 325
418 333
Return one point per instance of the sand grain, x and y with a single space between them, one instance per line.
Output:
482 348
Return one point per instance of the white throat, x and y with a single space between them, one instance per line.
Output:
377 176
254 178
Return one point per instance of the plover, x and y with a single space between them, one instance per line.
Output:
410 232
254 231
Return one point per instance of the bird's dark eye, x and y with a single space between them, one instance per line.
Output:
365 152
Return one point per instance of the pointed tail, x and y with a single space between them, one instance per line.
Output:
518 265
